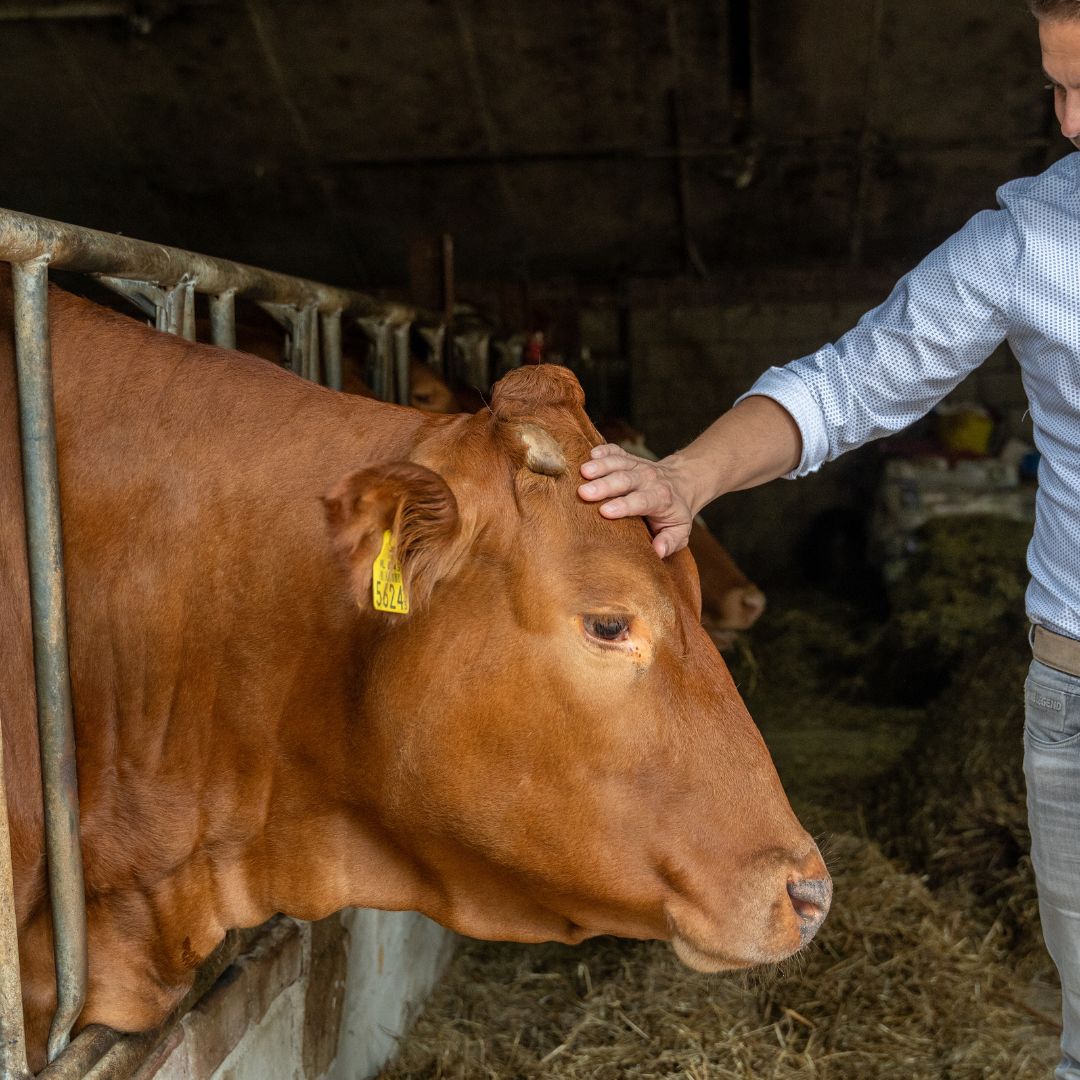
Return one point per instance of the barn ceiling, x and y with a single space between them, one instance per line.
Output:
553 138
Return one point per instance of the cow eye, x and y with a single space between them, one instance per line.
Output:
608 628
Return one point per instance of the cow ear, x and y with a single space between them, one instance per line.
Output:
415 506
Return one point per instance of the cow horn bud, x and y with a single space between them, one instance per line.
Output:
542 453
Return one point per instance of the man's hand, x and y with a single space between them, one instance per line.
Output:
756 441
635 487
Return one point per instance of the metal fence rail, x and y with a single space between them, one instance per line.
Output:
162 282
41 493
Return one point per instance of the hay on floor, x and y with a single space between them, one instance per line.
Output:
894 989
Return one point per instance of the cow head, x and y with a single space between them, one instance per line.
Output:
548 738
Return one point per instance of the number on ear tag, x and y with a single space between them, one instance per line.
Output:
387 588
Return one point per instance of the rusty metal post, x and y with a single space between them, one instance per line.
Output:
402 359
41 488
12 1034
331 341
223 319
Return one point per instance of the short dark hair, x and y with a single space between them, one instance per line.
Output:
1055 9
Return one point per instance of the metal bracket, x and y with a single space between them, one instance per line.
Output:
302 341
172 308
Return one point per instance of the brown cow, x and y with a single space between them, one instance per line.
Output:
546 747
730 601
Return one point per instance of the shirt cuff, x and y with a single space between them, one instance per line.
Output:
789 392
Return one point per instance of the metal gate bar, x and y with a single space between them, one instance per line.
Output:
45 556
68 247
401 361
330 324
223 319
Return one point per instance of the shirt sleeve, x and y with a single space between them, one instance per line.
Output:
941 321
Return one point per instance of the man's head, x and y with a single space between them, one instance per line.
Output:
1055 9
1059 36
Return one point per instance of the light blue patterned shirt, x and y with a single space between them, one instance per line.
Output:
1014 274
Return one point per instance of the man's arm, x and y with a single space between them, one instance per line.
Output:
940 322
758 440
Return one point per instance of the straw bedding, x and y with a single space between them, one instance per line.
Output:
924 967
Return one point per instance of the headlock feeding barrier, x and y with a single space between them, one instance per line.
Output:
162 282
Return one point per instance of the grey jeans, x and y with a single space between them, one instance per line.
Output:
1052 771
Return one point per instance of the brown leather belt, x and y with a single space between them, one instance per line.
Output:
1056 651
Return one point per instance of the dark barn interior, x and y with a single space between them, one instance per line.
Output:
688 191
677 194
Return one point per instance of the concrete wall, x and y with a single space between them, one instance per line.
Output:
310 1001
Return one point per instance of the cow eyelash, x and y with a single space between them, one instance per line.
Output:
607 629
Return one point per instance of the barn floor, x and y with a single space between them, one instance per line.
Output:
899 742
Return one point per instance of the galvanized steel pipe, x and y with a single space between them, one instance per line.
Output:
402 359
68 247
311 352
331 342
223 319
41 491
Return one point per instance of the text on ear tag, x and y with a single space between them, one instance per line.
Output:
387 587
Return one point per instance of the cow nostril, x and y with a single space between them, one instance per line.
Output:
811 897
753 601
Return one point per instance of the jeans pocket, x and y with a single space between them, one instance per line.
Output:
1051 707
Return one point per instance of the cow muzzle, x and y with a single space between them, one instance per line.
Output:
779 911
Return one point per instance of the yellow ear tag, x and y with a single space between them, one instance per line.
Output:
387 588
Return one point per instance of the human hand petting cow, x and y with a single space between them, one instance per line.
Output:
758 440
